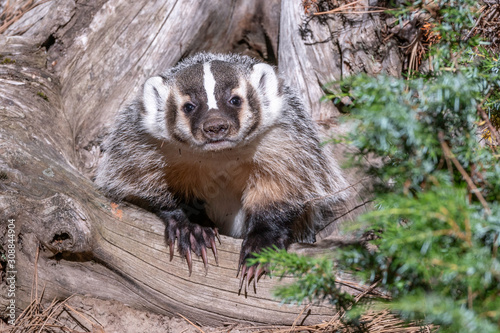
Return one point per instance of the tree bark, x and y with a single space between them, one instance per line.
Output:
66 67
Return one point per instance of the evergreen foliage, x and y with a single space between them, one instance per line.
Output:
437 213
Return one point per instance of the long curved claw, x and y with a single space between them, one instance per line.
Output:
214 250
171 248
239 269
255 282
243 273
250 273
189 260
204 258
191 238
260 271
216 232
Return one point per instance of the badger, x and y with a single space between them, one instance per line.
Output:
219 143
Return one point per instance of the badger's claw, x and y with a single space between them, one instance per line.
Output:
204 258
216 231
189 260
254 243
248 274
191 238
214 248
171 248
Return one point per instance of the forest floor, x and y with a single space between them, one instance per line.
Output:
85 314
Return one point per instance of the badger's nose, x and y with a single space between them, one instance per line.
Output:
215 129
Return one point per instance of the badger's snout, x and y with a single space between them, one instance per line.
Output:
216 128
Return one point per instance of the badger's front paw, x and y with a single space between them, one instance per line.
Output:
191 237
254 243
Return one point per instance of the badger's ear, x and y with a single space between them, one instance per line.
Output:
267 85
155 95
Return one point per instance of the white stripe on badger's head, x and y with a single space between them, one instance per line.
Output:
155 96
209 84
266 83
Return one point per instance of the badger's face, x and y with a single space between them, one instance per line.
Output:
213 105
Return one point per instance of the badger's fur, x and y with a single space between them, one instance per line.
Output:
220 141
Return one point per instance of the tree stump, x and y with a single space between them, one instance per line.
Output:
66 67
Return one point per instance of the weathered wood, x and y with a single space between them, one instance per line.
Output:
333 47
70 66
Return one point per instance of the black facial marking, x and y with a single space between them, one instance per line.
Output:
226 78
254 105
190 82
171 114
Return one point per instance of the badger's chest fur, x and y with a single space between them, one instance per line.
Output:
215 182
220 141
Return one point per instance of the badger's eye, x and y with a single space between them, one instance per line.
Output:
189 107
235 101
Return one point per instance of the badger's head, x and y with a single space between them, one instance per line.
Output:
212 104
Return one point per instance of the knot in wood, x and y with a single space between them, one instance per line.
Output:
64 227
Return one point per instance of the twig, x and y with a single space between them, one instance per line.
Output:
475 26
364 290
367 291
361 12
447 152
51 312
340 8
25 311
449 166
493 132
35 275
413 61
78 313
298 316
189 321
